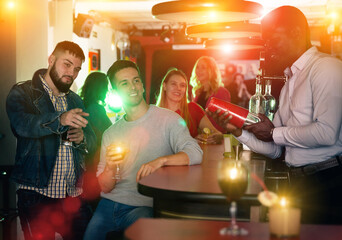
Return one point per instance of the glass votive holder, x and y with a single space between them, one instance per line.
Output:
284 222
228 142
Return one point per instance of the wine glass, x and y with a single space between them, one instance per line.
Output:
116 152
117 175
233 181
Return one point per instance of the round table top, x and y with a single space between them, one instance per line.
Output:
197 179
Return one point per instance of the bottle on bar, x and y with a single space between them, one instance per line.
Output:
256 102
270 101
240 116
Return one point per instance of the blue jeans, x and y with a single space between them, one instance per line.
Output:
113 216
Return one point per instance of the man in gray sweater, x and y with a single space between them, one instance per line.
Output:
154 137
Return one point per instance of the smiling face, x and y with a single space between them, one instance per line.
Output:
63 70
129 86
202 72
175 88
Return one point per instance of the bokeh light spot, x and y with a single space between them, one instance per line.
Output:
113 101
57 218
11 4
182 122
227 48
72 205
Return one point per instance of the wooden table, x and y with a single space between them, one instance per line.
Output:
193 191
176 229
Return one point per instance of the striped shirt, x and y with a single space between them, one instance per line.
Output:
63 179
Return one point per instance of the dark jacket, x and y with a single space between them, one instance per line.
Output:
36 125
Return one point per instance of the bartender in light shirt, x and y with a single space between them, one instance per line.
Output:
308 122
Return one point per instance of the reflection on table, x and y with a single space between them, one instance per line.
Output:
176 229
193 191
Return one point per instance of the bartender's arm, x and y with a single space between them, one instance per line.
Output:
262 130
270 149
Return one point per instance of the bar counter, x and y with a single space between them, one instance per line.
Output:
192 192
176 229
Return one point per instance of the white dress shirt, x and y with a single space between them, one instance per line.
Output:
308 121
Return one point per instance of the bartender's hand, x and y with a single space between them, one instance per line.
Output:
223 121
150 167
263 129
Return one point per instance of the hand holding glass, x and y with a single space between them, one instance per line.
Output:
205 135
114 156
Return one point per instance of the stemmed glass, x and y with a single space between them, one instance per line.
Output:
117 175
116 152
233 181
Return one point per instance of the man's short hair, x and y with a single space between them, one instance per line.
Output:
287 17
71 47
119 65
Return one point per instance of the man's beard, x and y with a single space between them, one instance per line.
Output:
62 87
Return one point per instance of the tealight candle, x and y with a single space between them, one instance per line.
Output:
284 220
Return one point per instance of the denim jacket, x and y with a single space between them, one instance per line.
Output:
36 125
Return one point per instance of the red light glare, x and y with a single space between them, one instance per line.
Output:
57 218
72 205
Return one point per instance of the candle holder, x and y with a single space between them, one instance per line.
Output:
284 220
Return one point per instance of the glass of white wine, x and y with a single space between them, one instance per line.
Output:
116 152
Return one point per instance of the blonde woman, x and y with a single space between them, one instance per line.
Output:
206 83
173 95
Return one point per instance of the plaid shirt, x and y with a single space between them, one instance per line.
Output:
63 179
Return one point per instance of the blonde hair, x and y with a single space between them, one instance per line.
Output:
162 101
214 77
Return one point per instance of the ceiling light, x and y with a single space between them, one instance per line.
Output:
123 43
202 11
224 30
235 44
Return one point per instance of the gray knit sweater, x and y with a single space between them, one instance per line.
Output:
158 133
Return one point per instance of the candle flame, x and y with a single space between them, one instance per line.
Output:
118 149
233 172
283 202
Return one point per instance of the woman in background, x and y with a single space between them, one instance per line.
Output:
238 89
206 83
93 93
173 95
